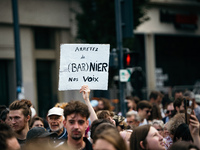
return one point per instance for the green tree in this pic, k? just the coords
(96, 23)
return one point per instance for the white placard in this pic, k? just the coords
(84, 64)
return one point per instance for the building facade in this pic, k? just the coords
(44, 25)
(171, 42)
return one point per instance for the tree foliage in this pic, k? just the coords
(96, 23)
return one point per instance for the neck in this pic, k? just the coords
(22, 135)
(76, 144)
(59, 132)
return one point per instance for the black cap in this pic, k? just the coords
(39, 132)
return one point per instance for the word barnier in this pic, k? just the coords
(86, 49)
(99, 67)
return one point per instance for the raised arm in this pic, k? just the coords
(86, 93)
(194, 130)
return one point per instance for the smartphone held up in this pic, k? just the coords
(189, 107)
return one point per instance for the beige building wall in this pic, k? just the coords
(57, 14)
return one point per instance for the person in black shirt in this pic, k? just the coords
(76, 122)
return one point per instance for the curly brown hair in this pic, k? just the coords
(23, 104)
(76, 107)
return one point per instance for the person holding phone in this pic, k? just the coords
(194, 129)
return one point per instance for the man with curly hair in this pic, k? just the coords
(20, 114)
(76, 122)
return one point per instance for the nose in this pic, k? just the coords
(76, 125)
(12, 121)
(160, 137)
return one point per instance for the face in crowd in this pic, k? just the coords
(100, 105)
(159, 100)
(131, 121)
(131, 104)
(76, 126)
(153, 140)
(38, 123)
(181, 109)
(55, 122)
(145, 113)
(158, 128)
(18, 120)
(170, 110)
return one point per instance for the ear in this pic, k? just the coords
(64, 123)
(28, 118)
(177, 109)
(141, 145)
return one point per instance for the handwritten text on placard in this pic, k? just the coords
(84, 64)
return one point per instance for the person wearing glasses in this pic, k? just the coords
(169, 112)
(144, 108)
(158, 125)
(132, 119)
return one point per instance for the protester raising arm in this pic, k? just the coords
(194, 130)
(86, 93)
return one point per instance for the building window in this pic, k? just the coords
(44, 38)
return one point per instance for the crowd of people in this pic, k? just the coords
(93, 125)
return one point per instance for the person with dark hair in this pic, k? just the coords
(105, 114)
(102, 127)
(20, 114)
(109, 139)
(8, 141)
(146, 137)
(169, 112)
(104, 104)
(155, 113)
(132, 102)
(179, 119)
(36, 122)
(76, 122)
(156, 97)
(177, 94)
(4, 117)
(183, 145)
(95, 124)
(144, 108)
(182, 133)
(178, 105)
